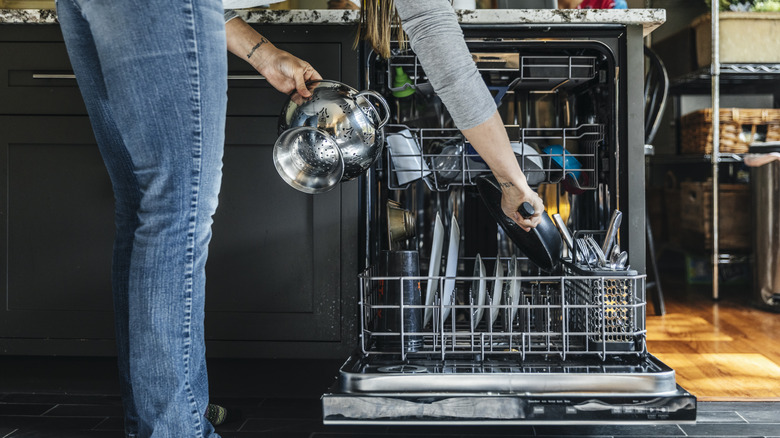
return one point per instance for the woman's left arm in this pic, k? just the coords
(283, 71)
(436, 37)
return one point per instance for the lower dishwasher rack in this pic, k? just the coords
(561, 349)
(581, 312)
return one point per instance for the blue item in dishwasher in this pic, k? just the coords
(564, 160)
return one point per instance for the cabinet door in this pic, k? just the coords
(56, 223)
(282, 270)
(275, 263)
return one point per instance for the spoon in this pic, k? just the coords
(614, 255)
(622, 259)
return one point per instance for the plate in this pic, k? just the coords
(434, 268)
(514, 289)
(478, 289)
(498, 287)
(452, 267)
(511, 294)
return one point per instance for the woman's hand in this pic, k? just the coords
(512, 197)
(287, 73)
(283, 71)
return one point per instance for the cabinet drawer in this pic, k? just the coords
(36, 78)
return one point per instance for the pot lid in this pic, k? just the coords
(542, 245)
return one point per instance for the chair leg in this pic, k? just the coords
(658, 296)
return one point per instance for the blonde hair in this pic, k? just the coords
(378, 19)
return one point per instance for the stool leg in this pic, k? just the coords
(658, 296)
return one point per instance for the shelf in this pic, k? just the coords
(730, 74)
(691, 158)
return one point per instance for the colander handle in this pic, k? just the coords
(371, 93)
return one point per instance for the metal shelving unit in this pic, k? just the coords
(716, 77)
(715, 156)
(693, 159)
(730, 74)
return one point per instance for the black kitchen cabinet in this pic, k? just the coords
(281, 276)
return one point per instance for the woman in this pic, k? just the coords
(153, 74)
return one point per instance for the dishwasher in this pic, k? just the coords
(457, 324)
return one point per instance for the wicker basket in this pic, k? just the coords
(733, 216)
(738, 128)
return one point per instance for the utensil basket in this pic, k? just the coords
(583, 312)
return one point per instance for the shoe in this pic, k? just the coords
(216, 414)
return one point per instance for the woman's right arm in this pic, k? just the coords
(282, 70)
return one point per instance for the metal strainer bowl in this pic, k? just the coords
(308, 159)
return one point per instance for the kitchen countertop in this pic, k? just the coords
(649, 19)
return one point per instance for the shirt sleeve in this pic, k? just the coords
(230, 14)
(437, 40)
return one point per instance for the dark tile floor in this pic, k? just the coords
(72, 397)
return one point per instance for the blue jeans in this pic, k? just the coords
(153, 74)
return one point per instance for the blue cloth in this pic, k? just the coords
(620, 4)
(153, 74)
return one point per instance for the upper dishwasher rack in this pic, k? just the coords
(543, 72)
(539, 93)
(442, 167)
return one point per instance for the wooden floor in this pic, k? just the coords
(725, 350)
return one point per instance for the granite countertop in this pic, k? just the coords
(649, 19)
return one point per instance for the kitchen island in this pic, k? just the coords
(280, 285)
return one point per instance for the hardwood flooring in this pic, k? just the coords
(725, 350)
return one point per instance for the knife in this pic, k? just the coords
(564, 231)
(614, 226)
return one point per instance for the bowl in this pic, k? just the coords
(447, 165)
(564, 160)
(531, 163)
(308, 159)
(527, 157)
(350, 117)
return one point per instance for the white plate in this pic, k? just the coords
(478, 288)
(498, 287)
(434, 269)
(452, 267)
(514, 289)
(511, 294)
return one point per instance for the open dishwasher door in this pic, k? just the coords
(476, 333)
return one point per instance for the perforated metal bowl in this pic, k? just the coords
(348, 116)
(308, 159)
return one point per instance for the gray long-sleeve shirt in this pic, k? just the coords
(437, 39)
